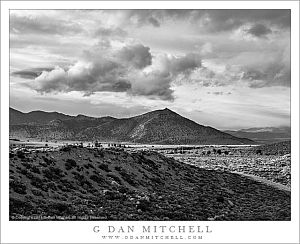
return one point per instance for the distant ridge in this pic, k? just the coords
(155, 127)
(264, 134)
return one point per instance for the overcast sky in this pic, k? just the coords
(229, 69)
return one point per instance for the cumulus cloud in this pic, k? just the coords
(127, 69)
(154, 84)
(138, 55)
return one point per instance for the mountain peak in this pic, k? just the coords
(166, 110)
(157, 127)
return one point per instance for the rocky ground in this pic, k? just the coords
(111, 184)
(273, 168)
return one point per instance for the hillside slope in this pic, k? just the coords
(117, 185)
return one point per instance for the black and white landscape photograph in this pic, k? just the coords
(150, 115)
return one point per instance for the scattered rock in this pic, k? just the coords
(230, 203)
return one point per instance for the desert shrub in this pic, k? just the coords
(18, 206)
(116, 178)
(157, 180)
(53, 173)
(37, 192)
(26, 173)
(149, 163)
(219, 151)
(59, 208)
(118, 168)
(91, 166)
(128, 178)
(77, 175)
(17, 186)
(144, 205)
(20, 154)
(124, 189)
(113, 195)
(11, 155)
(70, 164)
(39, 183)
(220, 199)
(259, 151)
(88, 166)
(208, 152)
(26, 165)
(52, 186)
(36, 181)
(97, 178)
(43, 164)
(68, 184)
(65, 149)
(81, 179)
(101, 153)
(49, 161)
(104, 167)
(226, 152)
(35, 169)
(79, 168)
(63, 188)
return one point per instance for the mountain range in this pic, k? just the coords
(156, 127)
(264, 134)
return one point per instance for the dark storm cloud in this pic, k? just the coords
(42, 25)
(217, 93)
(224, 20)
(259, 30)
(216, 20)
(154, 21)
(30, 73)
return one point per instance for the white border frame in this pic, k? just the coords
(82, 231)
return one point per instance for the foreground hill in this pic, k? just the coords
(156, 127)
(109, 184)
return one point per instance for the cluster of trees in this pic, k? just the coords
(209, 152)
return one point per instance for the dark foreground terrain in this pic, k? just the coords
(111, 184)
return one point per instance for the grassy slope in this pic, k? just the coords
(117, 185)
